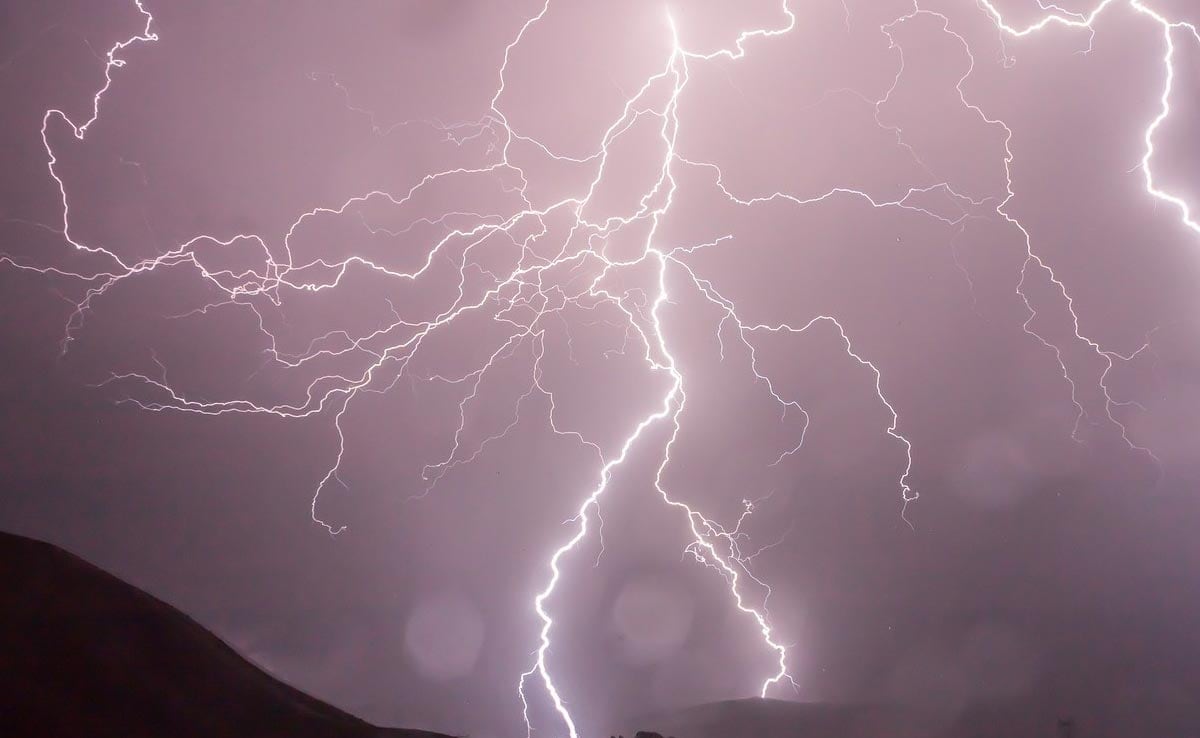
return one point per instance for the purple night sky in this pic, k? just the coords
(426, 274)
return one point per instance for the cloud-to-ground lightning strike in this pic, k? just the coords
(534, 291)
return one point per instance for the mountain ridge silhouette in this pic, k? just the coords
(83, 653)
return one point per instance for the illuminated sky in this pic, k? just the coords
(853, 342)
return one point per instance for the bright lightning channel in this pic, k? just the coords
(525, 303)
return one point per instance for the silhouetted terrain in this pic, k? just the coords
(83, 655)
(757, 718)
(1028, 717)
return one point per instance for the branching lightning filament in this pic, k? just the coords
(557, 271)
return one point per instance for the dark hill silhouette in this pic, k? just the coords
(765, 718)
(1031, 716)
(85, 655)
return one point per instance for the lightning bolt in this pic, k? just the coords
(576, 273)
(1056, 16)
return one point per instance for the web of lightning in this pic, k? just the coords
(524, 302)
